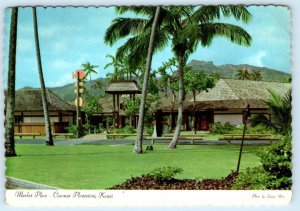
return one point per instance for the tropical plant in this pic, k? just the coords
(116, 65)
(197, 82)
(91, 106)
(185, 27)
(131, 107)
(279, 108)
(243, 74)
(255, 75)
(169, 81)
(10, 96)
(89, 70)
(276, 169)
(189, 26)
(49, 138)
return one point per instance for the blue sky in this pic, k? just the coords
(72, 36)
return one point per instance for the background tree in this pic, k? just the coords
(169, 83)
(89, 70)
(49, 138)
(185, 27)
(280, 110)
(197, 82)
(255, 75)
(243, 74)
(91, 106)
(10, 96)
(116, 65)
(189, 26)
(91, 103)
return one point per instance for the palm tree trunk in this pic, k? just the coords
(194, 113)
(138, 148)
(174, 141)
(10, 97)
(171, 113)
(49, 138)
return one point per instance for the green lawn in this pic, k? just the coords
(101, 166)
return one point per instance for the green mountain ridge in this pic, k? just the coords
(66, 92)
(229, 70)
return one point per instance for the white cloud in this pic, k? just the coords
(60, 64)
(60, 46)
(47, 32)
(63, 79)
(24, 44)
(257, 59)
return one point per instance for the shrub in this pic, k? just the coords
(260, 129)
(149, 130)
(72, 129)
(165, 173)
(101, 128)
(276, 169)
(219, 128)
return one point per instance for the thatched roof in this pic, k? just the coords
(232, 93)
(31, 100)
(123, 87)
(227, 94)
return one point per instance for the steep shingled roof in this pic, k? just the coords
(233, 93)
(31, 100)
(123, 87)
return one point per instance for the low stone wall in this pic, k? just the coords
(13, 183)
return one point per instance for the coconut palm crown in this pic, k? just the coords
(182, 27)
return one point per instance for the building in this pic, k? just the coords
(29, 116)
(226, 101)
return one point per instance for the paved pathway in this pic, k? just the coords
(130, 142)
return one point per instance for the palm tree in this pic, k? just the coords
(138, 143)
(10, 97)
(243, 74)
(280, 110)
(89, 69)
(193, 26)
(255, 75)
(135, 48)
(115, 64)
(185, 27)
(49, 138)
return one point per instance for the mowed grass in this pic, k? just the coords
(102, 166)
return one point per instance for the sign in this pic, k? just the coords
(80, 102)
(78, 73)
(78, 84)
(80, 90)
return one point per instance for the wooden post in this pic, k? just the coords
(114, 110)
(118, 110)
(78, 109)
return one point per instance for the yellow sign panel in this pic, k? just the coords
(78, 84)
(80, 102)
(80, 90)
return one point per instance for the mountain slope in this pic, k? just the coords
(66, 92)
(229, 70)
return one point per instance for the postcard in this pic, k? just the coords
(148, 106)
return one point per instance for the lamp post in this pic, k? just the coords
(78, 75)
(246, 114)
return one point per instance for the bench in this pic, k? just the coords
(187, 137)
(126, 135)
(66, 135)
(200, 135)
(248, 137)
(27, 134)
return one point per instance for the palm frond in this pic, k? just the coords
(207, 31)
(207, 14)
(122, 27)
(138, 10)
